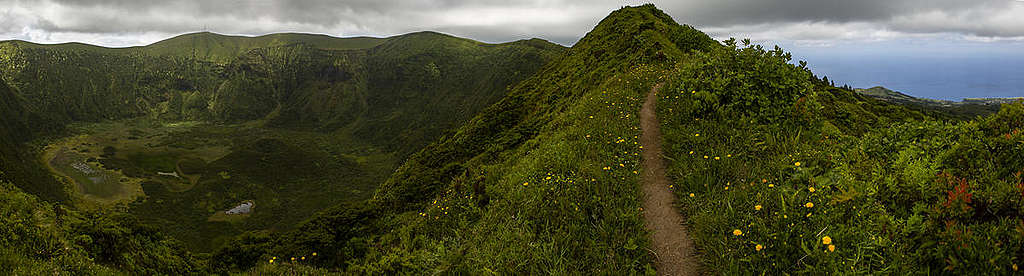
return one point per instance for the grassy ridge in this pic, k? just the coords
(543, 181)
(780, 173)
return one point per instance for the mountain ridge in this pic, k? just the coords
(968, 108)
(180, 45)
(319, 116)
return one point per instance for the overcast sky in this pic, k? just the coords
(804, 22)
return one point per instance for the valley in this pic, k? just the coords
(647, 147)
(177, 132)
(182, 176)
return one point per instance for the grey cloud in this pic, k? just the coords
(910, 16)
(562, 21)
(729, 12)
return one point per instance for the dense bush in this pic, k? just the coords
(37, 237)
(780, 174)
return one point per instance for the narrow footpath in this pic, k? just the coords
(670, 241)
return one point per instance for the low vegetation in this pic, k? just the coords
(780, 173)
(544, 181)
(529, 167)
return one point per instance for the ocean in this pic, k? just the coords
(948, 73)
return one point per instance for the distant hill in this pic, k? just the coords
(376, 101)
(223, 48)
(399, 91)
(966, 109)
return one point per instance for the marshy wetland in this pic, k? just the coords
(185, 176)
(111, 162)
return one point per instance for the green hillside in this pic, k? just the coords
(963, 110)
(17, 126)
(294, 122)
(544, 181)
(780, 173)
(224, 48)
(431, 154)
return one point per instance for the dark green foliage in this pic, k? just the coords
(37, 236)
(731, 81)
(762, 146)
(18, 125)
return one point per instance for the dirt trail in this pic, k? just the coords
(670, 240)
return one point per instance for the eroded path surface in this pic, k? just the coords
(670, 240)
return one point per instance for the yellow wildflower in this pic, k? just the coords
(758, 247)
(293, 259)
(696, 135)
(737, 232)
(757, 207)
(314, 254)
(811, 189)
(271, 261)
(717, 158)
(526, 183)
(1014, 267)
(691, 152)
(705, 157)
(809, 205)
(728, 155)
(826, 240)
(771, 185)
(831, 247)
(547, 178)
(303, 258)
(797, 164)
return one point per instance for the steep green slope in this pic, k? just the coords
(307, 121)
(780, 173)
(291, 80)
(543, 181)
(18, 125)
(224, 48)
(40, 237)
